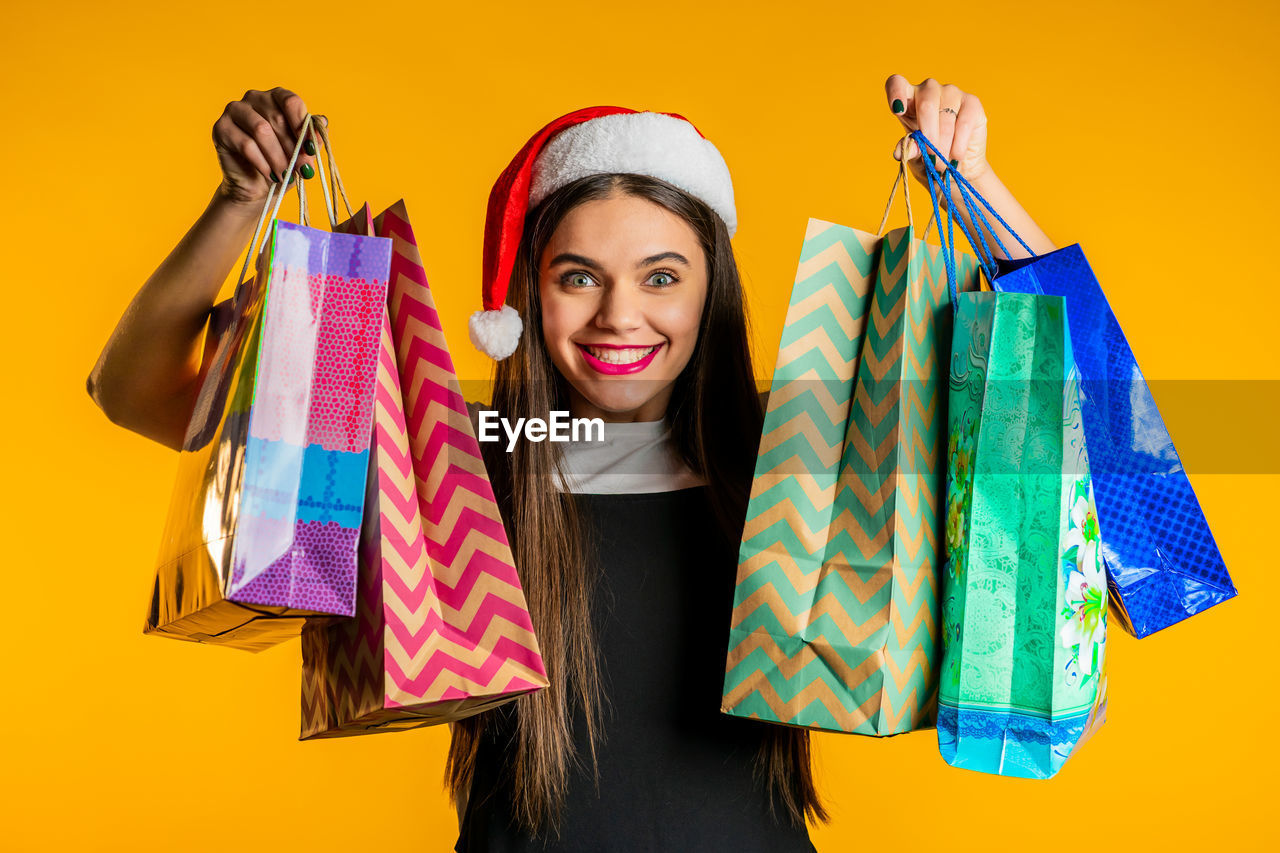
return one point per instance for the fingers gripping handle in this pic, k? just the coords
(274, 199)
(970, 198)
(275, 194)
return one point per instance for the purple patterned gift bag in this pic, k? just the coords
(265, 517)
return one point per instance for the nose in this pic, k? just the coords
(619, 310)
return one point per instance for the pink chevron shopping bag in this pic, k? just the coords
(442, 630)
(265, 516)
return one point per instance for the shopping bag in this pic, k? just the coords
(1162, 561)
(835, 610)
(265, 515)
(1024, 610)
(442, 629)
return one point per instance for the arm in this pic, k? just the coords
(993, 190)
(145, 377)
(955, 122)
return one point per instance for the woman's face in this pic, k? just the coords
(622, 282)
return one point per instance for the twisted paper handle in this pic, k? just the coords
(334, 187)
(905, 180)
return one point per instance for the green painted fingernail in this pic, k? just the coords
(955, 163)
(898, 107)
(933, 160)
(274, 179)
(310, 147)
(307, 171)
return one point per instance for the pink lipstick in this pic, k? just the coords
(640, 359)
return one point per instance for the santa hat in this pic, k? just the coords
(589, 141)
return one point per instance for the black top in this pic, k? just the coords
(675, 773)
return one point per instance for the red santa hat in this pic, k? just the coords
(589, 141)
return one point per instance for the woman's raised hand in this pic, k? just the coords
(255, 137)
(949, 117)
(145, 377)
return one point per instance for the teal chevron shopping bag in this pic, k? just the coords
(835, 620)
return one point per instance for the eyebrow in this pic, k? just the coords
(570, 258)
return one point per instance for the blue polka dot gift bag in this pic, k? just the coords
(1161, 560)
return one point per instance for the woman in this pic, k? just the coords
(611, 291)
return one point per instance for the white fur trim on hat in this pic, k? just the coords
(496, 333)
(642, 143)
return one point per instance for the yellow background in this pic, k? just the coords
(1146, 132)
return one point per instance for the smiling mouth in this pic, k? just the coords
(619, 355)
(618, 361)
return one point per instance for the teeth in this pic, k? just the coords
(620, 356)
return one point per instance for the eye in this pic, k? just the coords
(576, 278)
(664, 278)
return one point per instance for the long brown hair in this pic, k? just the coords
(715, 418)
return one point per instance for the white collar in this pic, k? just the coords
(634, 458)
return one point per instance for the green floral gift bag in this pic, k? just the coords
(1024, 605)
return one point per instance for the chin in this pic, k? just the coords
(619, 397)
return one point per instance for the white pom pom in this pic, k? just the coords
(496, 333)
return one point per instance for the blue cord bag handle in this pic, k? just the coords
(970, 198)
